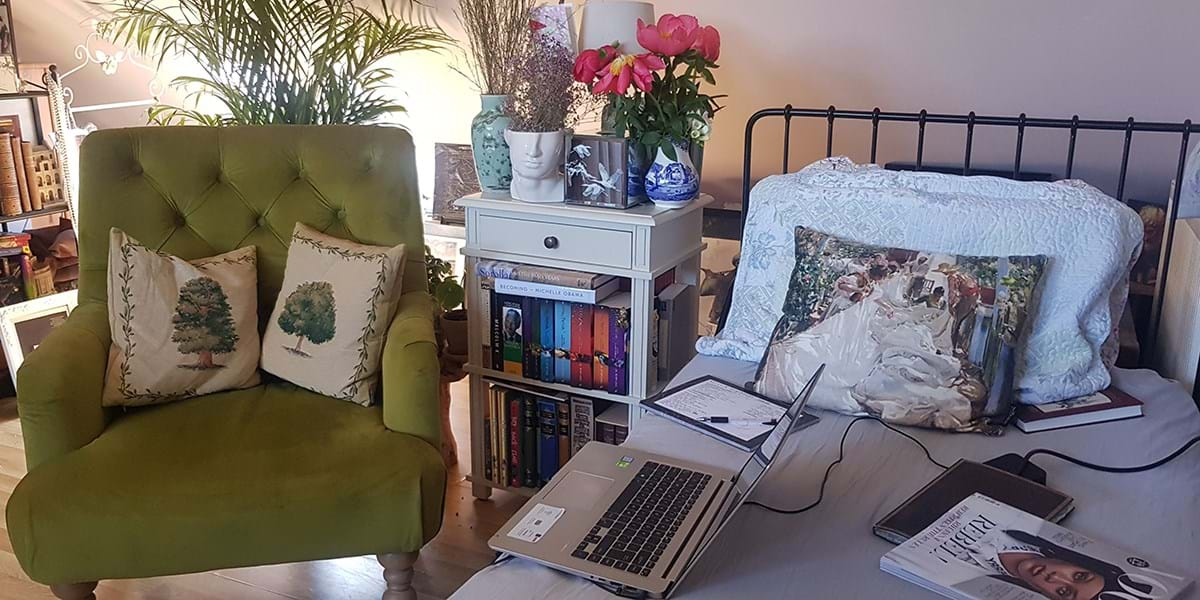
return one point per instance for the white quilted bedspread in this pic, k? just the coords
(1091, 240)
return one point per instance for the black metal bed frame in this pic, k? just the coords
(1021, 123)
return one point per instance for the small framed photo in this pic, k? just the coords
(10, 78)
(454, 176)
(23, 326)
(596, 171)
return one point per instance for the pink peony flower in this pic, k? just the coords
(708, 43)
(589, 63)
(626, 69)
(672, 36)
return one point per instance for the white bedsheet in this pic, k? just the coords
(829, 552)
(1091, 240)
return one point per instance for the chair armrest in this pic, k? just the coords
(59, 386)
(411, 371)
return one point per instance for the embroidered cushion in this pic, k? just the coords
(179, 328)
(327, 329)
(915, 338)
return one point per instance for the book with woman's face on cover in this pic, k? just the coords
(986, 550)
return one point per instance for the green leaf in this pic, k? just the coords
(668, 149)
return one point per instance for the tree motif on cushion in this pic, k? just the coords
(203, 322)
(309, 313)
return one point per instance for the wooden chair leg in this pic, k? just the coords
(74, 591)
(398, 573)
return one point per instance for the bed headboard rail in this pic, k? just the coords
(1019, 124)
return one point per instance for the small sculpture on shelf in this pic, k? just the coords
(46, 183)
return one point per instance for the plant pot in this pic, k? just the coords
(454, 329)
(672, 183)
(490, 150)
(538, 161)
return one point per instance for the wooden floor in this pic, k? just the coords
(450, 559)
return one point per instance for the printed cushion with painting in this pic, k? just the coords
(179, 328)
(327, 329)
(912, 337)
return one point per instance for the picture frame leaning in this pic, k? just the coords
(10, 77)
(24, 326)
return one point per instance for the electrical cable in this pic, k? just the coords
(1106, 469)
(840, 458)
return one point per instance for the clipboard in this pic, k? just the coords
(742, 435)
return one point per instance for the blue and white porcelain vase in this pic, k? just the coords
(492, 161)
(672, 183)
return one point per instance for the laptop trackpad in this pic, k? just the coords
(578, 490)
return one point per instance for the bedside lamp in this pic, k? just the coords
(606, 21)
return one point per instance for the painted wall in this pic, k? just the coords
(1098, 58)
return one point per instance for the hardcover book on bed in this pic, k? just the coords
(985, 550)
(1108, 405)
(958, 483)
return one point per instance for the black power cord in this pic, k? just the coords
(840, 458)
(1025, 463)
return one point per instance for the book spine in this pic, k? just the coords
(600, 357)
(515, 474)
(581, 345)
(546, 352)
(618, 348)
(529, 441)
(605, 431)
(485, 308)
(663, 355)
(511, 324)
(502, 447)
(620, 434)
(545, 291)
(10, 194)
(582, 423)
(563, 415)
(488, 452)
(536, 274)
(497, 331)
(547, 440)
(530, 367)
(562, 342)
(35, 193)
(19, 167)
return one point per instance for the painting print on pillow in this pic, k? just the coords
(327, 330)
(180, 328)
(914, 338)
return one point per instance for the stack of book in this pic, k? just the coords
(558, 326)
(29, 174)
(529, 435)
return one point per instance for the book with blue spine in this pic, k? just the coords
(562, 342)
(530, 334)
(547, 343)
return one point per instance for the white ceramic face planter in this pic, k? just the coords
(537, 161)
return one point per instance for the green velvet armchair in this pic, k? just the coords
(260, 476)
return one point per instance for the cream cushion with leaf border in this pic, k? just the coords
(179, 328)
(327, 329)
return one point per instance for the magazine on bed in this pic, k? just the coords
(985, 550)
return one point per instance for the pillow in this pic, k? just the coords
(326, 332)
(1092, 239)
(914, 338)
(179, 328)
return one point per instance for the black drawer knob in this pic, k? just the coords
(550, 242)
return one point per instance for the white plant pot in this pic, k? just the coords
(538, 160)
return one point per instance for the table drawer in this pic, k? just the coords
(560, 241)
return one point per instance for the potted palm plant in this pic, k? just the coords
(312, 62)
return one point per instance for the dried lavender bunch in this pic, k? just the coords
(497, 31)
(545, 96)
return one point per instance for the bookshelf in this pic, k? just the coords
(637, 244)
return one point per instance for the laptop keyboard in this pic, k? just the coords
(640, 523)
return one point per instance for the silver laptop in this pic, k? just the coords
(635, 522)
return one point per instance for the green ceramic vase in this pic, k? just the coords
(492, 162)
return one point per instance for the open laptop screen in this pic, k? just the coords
(756, 465)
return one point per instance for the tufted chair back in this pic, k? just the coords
(199, 191)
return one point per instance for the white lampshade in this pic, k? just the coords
(608, 21)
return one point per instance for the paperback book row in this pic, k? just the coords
(529, 435)
(568, 327)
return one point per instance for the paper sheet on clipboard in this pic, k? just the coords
(714, 398)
